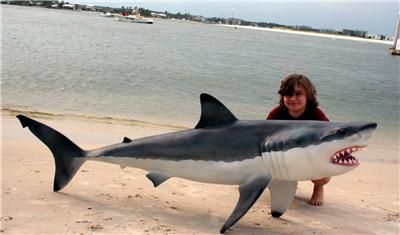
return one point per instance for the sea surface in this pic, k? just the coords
(81, 64)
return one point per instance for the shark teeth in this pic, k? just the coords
(344, 157)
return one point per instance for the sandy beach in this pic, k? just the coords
(333, 37)
(104, 199)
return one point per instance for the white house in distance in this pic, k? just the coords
(233, 21)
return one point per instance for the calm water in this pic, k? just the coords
(80, 63)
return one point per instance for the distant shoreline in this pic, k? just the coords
(309, 34)
(279, 30)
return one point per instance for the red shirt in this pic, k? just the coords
(279, 113)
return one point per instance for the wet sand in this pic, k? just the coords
(104, 199)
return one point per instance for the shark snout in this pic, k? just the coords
(369, 126)
(366, 130)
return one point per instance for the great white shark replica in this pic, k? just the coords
(224, 150)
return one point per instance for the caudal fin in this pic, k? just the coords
(67, 155)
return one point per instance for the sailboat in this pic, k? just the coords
(395, 49)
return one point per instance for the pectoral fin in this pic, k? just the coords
(126, 140)
(249, 193)
(157, 178)
(282, 194)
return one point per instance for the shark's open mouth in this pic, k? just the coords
(345, 158)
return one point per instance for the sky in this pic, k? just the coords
(376, 17)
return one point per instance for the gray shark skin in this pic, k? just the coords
(224, 150)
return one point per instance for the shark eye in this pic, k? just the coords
(341, 132)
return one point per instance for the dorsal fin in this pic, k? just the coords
(213, 112)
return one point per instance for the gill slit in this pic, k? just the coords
(278, 155)
(271, 157)
(285, 166)
(276, 163)
(283, 160)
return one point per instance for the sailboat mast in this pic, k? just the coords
(396, 42)
(395, 49)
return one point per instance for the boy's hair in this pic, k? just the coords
(288, 84)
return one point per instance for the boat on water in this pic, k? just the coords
(135, 17)
(107, 14)
(395, 49)
(140, 19)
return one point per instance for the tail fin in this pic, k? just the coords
(67, 155)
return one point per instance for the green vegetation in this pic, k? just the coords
(47, 4)
(145, 12)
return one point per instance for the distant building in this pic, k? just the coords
(89, 7)
(306, 28)
(330, 31)
(354, 33)
(388, 38)
(233, 21)
(199, 19)
(380, 37)
(376, 36)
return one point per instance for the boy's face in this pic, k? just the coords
(297, 101)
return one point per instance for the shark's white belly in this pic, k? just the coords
(295, 164)
(234, 173)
